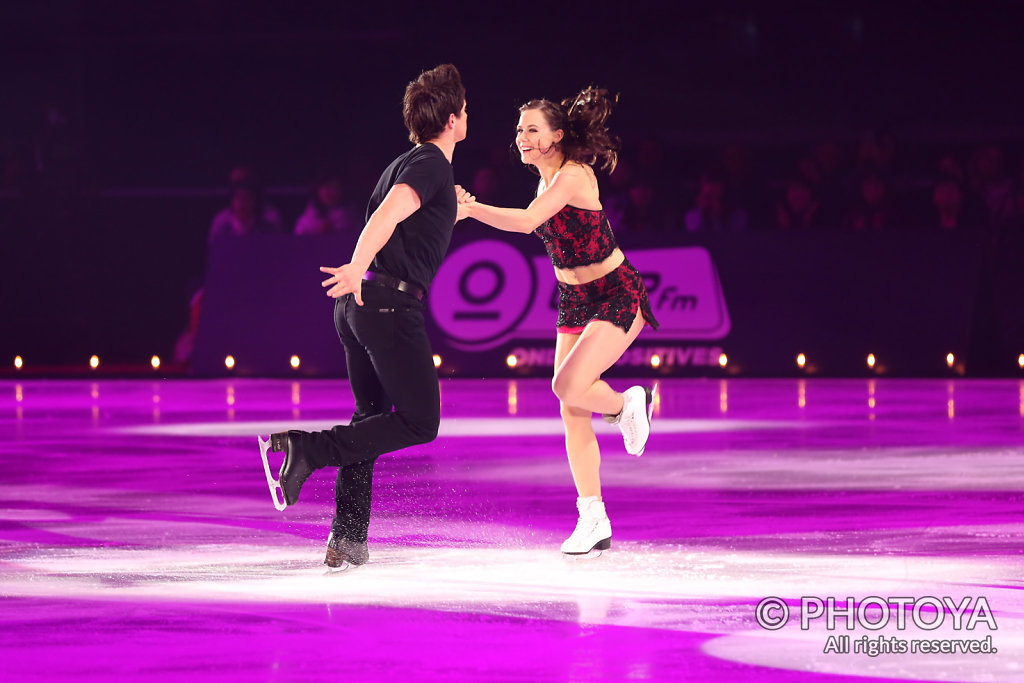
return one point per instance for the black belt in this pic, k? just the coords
(394, 283)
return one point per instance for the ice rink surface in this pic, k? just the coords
(138, 540)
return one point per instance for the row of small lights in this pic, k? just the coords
(94, 362)
(723, 360)
(155, 362)
(801, 360)
(512, 361)
(294, 361)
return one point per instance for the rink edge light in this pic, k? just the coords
(512, 361)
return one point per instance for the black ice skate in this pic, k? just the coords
(343, 553)
(295, 469)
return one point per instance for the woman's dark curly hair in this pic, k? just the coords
(583, 119)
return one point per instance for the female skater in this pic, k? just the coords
(602, 303)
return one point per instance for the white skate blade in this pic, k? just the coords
(275, 485)
(343, 567)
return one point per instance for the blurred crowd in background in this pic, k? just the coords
(867, 182)
(135, 135)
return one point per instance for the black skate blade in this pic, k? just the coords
(582, 557)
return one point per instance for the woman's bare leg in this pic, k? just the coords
(579, 362)
(580, 441)
(577, 380)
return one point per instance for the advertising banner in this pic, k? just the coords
(490, 295)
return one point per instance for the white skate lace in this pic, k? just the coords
(630, 432)
(585, 526)
(629, 427)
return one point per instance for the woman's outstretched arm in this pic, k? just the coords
(567, 184)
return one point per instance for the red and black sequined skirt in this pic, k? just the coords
(615, 298)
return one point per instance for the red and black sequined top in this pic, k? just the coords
(577, 237)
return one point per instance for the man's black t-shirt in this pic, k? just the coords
(418, 244)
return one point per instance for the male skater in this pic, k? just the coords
(379, 318)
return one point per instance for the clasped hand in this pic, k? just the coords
(466, 202)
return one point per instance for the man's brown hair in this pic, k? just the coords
(430, 100)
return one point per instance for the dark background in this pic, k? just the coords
(159, 99)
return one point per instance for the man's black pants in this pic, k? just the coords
(398, 402)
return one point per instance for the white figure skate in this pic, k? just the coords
(593, 533)
(635, 419)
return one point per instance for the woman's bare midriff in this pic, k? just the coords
(584, 274)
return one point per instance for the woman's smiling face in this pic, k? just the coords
(534, 137)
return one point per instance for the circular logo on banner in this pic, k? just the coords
(482, 291)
